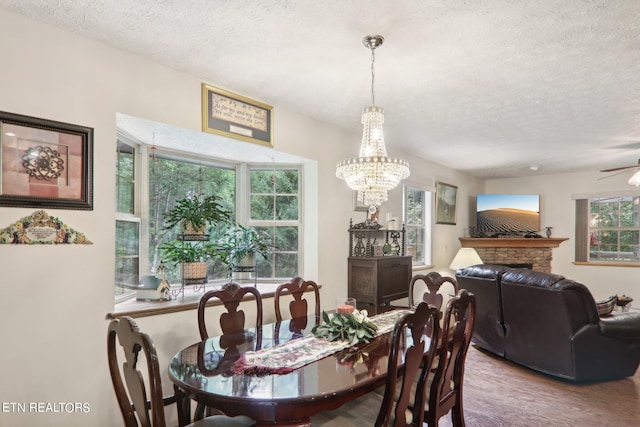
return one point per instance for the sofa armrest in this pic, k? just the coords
(621, 325)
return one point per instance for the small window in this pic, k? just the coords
(275, 208)
(127, 268)
(614, 229)
(417, 221)
(608, 230)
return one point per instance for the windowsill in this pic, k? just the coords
(134, 308)
(421, 267)
(608, 264)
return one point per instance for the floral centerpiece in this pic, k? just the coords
(354, 328)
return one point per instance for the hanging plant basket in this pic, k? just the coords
(194, 270)
(187, 228)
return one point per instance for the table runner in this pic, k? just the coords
(286, 357)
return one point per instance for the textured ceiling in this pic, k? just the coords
(490, 87)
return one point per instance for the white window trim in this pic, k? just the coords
(428, 216)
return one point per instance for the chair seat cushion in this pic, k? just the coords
(224, 421)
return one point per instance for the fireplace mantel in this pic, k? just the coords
(507, 251)
(508, 242)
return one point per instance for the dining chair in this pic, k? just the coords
(445, 389)
(403, 399)
(233, 320)
(417, 357)
(139, 407)
(293, 292)
(298, 306)
(433, 281)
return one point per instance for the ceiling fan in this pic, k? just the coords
(635, 178)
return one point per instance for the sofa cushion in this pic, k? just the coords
(621, 325)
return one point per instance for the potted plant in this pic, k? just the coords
(191, 256)
(239, 246)
(194, 213)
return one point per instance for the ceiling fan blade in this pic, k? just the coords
(612, 175)
(622, 168)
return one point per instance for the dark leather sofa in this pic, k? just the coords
(550, 324)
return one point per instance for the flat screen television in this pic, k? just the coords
(508, 213)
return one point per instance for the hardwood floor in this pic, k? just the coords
(500, 393)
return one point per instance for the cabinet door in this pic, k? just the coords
(362, 280)
(394, 275)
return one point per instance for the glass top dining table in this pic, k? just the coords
(204, 371)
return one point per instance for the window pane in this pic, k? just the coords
(287, 207)
(415, 205)
(286, 265)
(262, 207)
(127, 256)
(261, 181)
(125, 178)
(415, 243)
(287, 238)
(287, 181)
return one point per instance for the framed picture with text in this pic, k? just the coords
(446, 195)
(229, 114)
(45, 164)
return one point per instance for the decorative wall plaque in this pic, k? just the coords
(40, 228)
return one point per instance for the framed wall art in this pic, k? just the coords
(446, 195)
(45, 164)
(358, 205)
(229, 114)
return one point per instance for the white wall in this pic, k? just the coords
(557, 209)
(55, 298)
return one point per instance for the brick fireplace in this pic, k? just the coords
(536, 252)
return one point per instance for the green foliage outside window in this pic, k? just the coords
(172, 180)
(274, 209)
(414, 223)
(614, 231)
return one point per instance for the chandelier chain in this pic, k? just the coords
(373, 76)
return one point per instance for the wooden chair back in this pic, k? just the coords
(424, 328)
(433, 281)
(298, 306)
(445, 392)
(139, 406)
(233, 320)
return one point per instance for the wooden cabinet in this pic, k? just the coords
(375, 281)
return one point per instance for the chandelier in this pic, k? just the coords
(372, 173)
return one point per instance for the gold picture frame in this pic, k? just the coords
(446, 195)
(236, 116)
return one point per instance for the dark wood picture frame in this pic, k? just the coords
(236, 116)
(45, 164)
(446, 198)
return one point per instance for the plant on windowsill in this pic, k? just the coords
(354, 328)
(195, 213)
(190, 256)
(239, 246)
